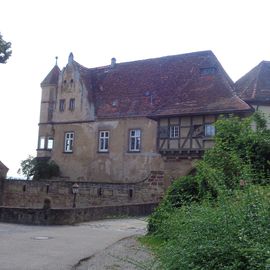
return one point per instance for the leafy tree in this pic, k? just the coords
(219, 217)
(44, 169)
(241, 150)
(27, 166)
(39, 168)
(5, 50)
(241, 155)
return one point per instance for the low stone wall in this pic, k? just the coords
(73, 215)
(32, 194)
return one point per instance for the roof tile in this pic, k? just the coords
(52, 77)
(255, 85)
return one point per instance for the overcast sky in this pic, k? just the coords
(237, 31)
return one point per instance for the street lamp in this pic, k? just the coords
(75, 191)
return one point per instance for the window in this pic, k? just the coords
(69, 139)
(50, 143)
(134, 140)
(99, 192)
(174, 132)
(62, 105)
(72, 104)
(209, 130)
(208, 71)
(163, 132)
(103, 141)
(41, 143)
(130, 193)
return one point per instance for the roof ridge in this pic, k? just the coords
(257, 78)
(205, 52)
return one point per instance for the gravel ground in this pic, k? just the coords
(126, 254)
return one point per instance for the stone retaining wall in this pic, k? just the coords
(73, 215)
(32, 194)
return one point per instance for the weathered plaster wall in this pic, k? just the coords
(118, 164)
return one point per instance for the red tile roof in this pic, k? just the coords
(193, 83)
(254, 87)
(52, 77)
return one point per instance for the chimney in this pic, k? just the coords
(113, 62)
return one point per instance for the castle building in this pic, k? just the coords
(117, 123)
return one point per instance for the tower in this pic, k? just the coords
(49, 88)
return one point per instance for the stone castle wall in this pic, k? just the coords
(72, 215)
(31, 194)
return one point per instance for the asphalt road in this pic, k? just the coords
(25, 247)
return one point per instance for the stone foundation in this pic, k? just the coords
(72, 216)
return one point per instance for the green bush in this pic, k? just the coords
(233, 234)
(162, 213)
(220, 218)
(181, 192)
(250, 144)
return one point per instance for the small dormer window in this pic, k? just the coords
(206, 71)
(115, 103)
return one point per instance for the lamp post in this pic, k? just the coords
(75, 191)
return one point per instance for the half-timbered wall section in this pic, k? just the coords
(185, 136)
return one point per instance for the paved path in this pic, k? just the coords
(25, 247)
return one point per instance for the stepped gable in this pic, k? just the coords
(254, 87)
(193, 83)
(52, 77)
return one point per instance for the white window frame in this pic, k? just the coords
(72, 104)
(62, 105)
(174, 131)
(103, 141)
(50, 143)
(134, 140)
(42, 142)
(209, 130)
(69, 142)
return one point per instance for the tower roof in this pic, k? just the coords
(254, 87)
(52, 77)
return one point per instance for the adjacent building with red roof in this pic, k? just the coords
(119, 122)
(254, 87)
